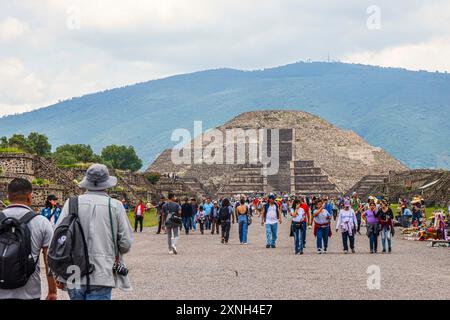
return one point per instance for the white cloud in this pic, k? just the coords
(431, 56)
(20, 88)
(12, 28)
(123, 42)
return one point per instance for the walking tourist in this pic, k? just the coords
(207, 206)
(373, 226)
(215, 223)
(104, 219)
(194, 206)
(139, 213)
(386, 217)
(298, 220)
(159, 209)
(225, 217)
(305, 222)
(201, 218)
(271, 216)
(172, 221)
(186, 215)
(347, 224)
(284, 208)
(16, 283)
(242, 220)
(322, 228)
(358, 214)
(51, 211)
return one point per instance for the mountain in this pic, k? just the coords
(404, 112)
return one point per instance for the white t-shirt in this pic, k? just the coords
(322, 218)
(271, 215)
(300, 215)
(139, 213)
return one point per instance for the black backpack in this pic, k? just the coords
(16, 261)
(69, 247)
(223, 214)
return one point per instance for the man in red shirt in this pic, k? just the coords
(139, 215)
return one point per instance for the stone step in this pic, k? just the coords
(312, 170)
(311, 178)
(304, 164)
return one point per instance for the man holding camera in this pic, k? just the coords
(108, 234)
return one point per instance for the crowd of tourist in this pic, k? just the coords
(303, 213)
(104, 233)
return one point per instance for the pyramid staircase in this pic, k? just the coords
(366, 184)
(307, 179)
(245, 180)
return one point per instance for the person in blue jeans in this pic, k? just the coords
(242, 219)
(96, 293)
(321, 226)
(186, 215)
(208, 206)
(194, 214)
(298, 217)
(271, 216)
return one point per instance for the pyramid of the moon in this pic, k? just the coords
(314, 157)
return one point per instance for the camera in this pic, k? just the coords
(120, 269)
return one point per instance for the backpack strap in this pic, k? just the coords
(73, 206)
(30, 215)
(2, 216)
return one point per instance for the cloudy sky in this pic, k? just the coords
(57, 49)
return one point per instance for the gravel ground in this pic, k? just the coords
(207, 269)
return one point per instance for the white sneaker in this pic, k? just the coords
(319, 251)
(174, 249)
(170, 251)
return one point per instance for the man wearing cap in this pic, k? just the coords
(96, 210)
(271, 216)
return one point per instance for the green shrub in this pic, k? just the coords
(152, 177)
(11, 150)
(40, 182)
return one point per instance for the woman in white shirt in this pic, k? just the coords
(298, 216)
(347, 224)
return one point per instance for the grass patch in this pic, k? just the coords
(150, 219)
(11, 150)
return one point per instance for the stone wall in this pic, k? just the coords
(17, 165)
(407, 184)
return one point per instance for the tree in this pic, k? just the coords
(81, 152)
(121, 157)
(64, 158)
(3, 142)
(38, 144)
(19, 141)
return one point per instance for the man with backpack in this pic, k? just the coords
(226, 216)
(23, 234)
(172, 221)
(103, 226)
(271, 216)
